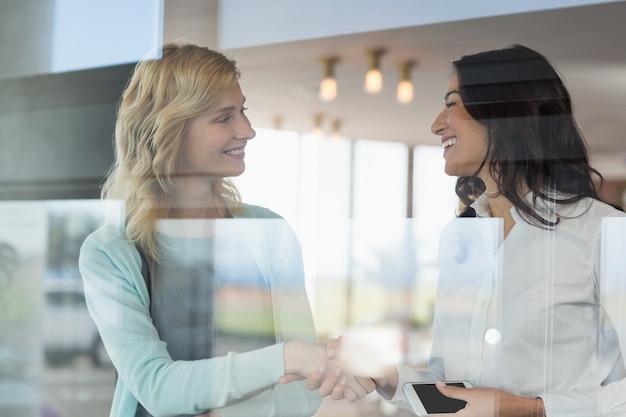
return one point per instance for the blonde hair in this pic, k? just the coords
(160, 99)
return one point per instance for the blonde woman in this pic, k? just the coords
(199, 298)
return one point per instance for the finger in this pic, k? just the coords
(331, 349)
(356, 387)
(333, 383)
(316, 378)
(368, 384)
(285, 379)
(350, 395)
(338, 391)
(451, 391)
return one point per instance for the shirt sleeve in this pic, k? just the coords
(118, 302)
(407, 374)
(607, 400)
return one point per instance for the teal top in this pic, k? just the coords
(235, 384)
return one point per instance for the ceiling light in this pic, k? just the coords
(318, 130)
(328, 86)
(374, 78)
(405, 86)
(336, 128)
(278, 123)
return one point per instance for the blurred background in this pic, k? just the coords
(358, 175)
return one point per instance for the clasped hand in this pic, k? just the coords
(337, 376)
(324, 371)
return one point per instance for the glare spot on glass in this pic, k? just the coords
(492, 336)
(102, 33)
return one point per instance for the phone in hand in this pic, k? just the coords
(426, 399)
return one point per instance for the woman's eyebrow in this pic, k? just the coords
(449, 93)
(224, 109)
(228, 108)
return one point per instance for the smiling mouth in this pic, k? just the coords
(238, 151)
(448, 143)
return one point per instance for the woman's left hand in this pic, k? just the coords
(491, 402)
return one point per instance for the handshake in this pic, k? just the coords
(338, 369)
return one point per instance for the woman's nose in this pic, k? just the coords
(251, 133)
(439, 124)
(245, 130)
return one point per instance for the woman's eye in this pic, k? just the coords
(449, 103)
(223, 119)
(243, 110)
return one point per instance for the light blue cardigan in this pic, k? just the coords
(237, 385)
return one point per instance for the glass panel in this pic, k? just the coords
(380, 181)
(373, 269)
(133, 31)
(272, 173)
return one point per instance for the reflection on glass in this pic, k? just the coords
(613, 275)
(104, 33)
(23, 229)
(210, 294)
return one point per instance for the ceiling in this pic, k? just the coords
(586, 44)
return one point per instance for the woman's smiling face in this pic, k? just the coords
(464, 140)
(214, 143)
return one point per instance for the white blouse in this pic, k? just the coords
(538, 314)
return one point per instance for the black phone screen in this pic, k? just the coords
(435, 402)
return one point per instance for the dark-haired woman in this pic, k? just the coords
(520, 312)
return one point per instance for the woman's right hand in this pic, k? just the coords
(385, 378)
(301, 358)
(324, 372)
(333, 383)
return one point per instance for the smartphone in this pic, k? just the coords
(426, 399)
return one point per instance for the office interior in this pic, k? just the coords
(359, 176)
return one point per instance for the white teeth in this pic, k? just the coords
(449, 143)
(234, 151)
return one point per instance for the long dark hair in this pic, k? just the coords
(534, 142)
